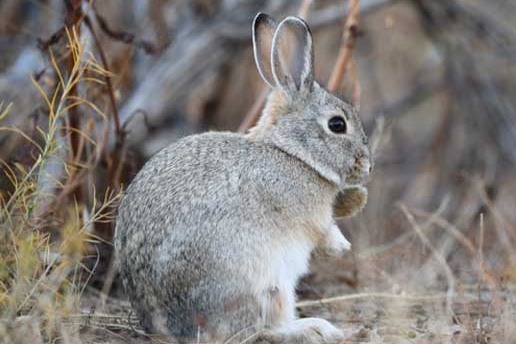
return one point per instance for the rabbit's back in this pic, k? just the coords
(207, 178)
(196, 222)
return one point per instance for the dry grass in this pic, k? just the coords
(45, 240)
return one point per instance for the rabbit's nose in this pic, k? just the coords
(363, 164)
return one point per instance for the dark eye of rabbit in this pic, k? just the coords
(337, 125)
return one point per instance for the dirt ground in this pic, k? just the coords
(478, 315)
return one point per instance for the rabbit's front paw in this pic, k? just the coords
(350, 201)
(335, 243)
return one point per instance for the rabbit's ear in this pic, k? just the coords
(292, 56)
(263, 31)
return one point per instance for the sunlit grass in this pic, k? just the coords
(44, 239)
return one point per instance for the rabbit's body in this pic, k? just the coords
(189, 200)
(216, 229)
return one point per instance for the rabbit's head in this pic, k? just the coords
(300, 116)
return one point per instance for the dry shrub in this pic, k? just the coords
(46, 236)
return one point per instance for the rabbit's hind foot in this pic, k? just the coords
(302, 331)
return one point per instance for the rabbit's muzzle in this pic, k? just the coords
(361, 169)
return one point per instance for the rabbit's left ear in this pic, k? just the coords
(292, 56)
(263, 32)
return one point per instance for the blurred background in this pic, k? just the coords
(436, 78)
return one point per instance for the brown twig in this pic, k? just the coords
(73, 18)
(44, 44)
(374, 295)
(304, 8)
(125, 37)
(345, 53)
(116, 159)
(254, 112)
(355, 83)
(450, 228)
(107, 76)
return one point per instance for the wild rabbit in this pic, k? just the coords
(216, 229)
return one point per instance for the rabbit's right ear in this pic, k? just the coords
(293, 56)
(263, 32)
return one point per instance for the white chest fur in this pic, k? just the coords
(284, 264)
(290, 263)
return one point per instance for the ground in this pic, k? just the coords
(478, 314)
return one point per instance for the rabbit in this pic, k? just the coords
(216, 229)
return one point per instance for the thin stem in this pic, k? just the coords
(346, 50)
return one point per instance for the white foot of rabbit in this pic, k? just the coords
(301, 331)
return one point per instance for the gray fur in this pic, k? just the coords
(216, 229)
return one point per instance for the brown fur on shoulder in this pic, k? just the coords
(276, 105)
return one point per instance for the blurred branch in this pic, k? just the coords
(331, 14)
(107, 76)
(472, 73)
(348, 38)
(417, 94)
(125, 37)
(304, 8)
(116, 158)
(374, 295)
(437, 15)
(74, 16)
(254, 112)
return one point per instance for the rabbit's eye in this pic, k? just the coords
(337, 125)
